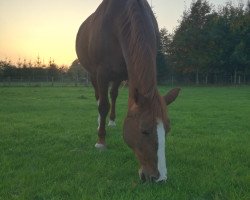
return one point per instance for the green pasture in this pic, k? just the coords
(47, 137)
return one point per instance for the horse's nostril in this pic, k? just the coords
(153, 179)
(142, 175)
(145, 177)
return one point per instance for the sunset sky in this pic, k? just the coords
(29, 28)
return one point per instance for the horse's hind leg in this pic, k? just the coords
(103, 109)
(94, 83)
(113, 96)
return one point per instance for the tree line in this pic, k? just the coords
(38, 72)
(209, 46)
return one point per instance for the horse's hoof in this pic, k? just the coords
(100, 146)
(112, 123)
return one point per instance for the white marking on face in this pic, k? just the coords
(161, 151)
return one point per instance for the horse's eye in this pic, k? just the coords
(145, 132)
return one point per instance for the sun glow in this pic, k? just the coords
(41, 28)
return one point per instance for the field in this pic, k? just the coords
(47, 137)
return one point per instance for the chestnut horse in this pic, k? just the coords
(119, 42)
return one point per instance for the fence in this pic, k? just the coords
(44, 83)
(187, 79)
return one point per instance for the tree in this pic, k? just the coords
(77, 72)
(246, 40)
(232, 43)
(190, 40)
(212, 43)
(162, 55)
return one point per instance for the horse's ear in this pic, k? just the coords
(171, 95)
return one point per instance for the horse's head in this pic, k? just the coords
(144, 132)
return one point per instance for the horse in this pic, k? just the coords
(119, 42)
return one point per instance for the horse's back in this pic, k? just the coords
(82, 43)
(97, 45)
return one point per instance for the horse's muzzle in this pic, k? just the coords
(146, 177)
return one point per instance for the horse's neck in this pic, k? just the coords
(138, 42)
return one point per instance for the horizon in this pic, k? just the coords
(48, 30)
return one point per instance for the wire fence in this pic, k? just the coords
(172, 81)
(44, 83)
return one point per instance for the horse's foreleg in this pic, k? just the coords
(103, 109)
(95, 85)
(113, 96)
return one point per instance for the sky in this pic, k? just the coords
(48, 28)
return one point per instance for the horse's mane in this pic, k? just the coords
(140, 35)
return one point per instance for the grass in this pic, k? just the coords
(47, 137)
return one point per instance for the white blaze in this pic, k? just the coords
(161, 151)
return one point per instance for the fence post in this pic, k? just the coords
(197, 77)
(235, 76)
(52, 79)
(9, 81)
(172, 80)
